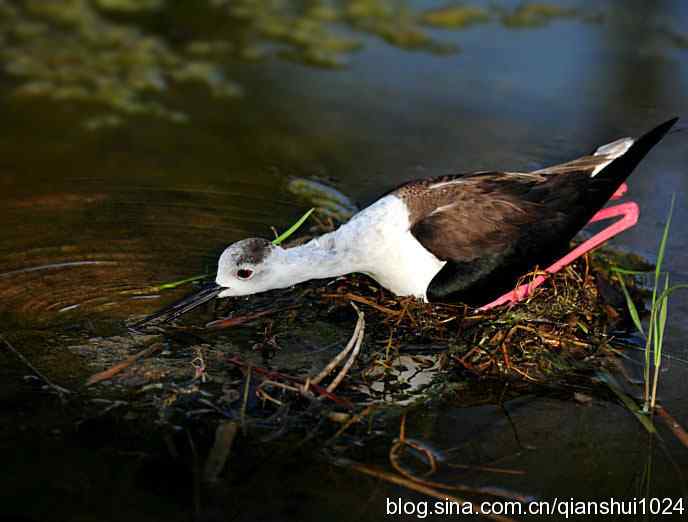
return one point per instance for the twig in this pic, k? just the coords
(357, 348)
(490, 469)
(395, 460)
(114, 370)
(352, 420)
(678, 430)
(265, 396)
(277, 375)
(353, 346)
(339, 357)
(244, 402)
(224, 438)
(59, 389)
(402, 481)
(196, 479)
(229, 322)
(363, 300)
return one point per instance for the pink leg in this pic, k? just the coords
(620, 192)
(629, 212)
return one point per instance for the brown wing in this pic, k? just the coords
(496, 226)
(466, 216)
(469, 218)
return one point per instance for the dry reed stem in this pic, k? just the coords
(126, 363)
(679, 431)
(402, 481)
(339, 357)
(357, 348)
(365, 301)
(59, 389)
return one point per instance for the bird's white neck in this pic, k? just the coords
(322, 257)
(376, 241)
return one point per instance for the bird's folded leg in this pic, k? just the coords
(619, 193)
(352, 348)
(629, 213)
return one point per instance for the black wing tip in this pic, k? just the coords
(661, 129)
(611, 176)
(644, 143)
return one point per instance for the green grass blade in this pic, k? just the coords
(285, 235)
(653, 334)
(630, 404)
(175, 284)
(662, 248)
(655, 328)
(666, 293)
(627, 271)
(661, 322)
(631, 306)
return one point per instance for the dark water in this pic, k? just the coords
(89, 215)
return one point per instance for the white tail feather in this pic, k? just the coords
(612, 151)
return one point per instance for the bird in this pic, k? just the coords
(462, 237)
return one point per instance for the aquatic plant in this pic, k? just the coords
(456, 16)
(654, 337)
(107, 56)
(329, 201)
(104, 54)
(287, 233)
(71, 51)
(535, 14)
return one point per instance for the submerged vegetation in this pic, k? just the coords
(72, 52)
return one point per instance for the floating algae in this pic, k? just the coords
(69, 51)
(72, 51)
(457, 16)
(319, 33)
(328, 201)
(396, 25)
(130, 6)
(536, 14)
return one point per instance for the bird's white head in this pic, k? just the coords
(250, 266)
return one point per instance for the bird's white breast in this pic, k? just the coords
(380, 243)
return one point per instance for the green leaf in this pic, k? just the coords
(631, 306)
(627, 271)
(662, 249)
(285, 235)
(661, 323)
(630, 404)
(666, 293)
(175, 284)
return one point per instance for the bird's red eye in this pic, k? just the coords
(244, 273)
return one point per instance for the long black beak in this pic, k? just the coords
(184, 305)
